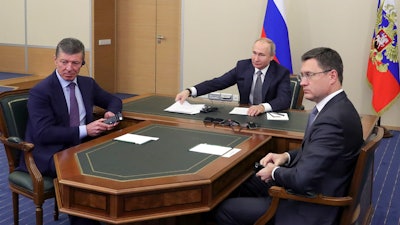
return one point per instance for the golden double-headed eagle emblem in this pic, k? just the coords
(384, 43)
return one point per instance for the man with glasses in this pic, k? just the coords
(262, 82)
(325, 162)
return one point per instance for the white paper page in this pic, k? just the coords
(231, 152)
(210, 149)
(239, 111)
(185, 108)
(277, 116)
(135, 138)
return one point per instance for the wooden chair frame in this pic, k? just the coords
(31, 185)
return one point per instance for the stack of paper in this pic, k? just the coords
(239, 111)
(185, 108)
(135, 138)
(210, 149)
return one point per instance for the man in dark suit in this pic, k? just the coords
(275, 94)
(325, 162)
(49, 108)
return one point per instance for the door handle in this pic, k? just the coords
(160, 38)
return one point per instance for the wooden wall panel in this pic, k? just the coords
(12, 59)
(136, 47)
(104, 55)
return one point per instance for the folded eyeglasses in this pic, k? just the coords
(229, 123)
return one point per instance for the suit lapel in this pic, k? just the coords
(268, 78)
(331, 102)
(248, 81)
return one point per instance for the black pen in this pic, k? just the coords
(275, 114)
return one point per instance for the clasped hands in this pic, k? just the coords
(270, 162)
(97, 127)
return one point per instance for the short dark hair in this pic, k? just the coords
(327, 58)
(71, 46)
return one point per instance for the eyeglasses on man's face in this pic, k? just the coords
(308, 75)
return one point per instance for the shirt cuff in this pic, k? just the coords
(267, 107)
(288, 161)
(82, 131)
(273, 172)
(194, 91)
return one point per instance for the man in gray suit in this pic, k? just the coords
(325, 162)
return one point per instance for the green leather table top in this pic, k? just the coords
(155, 105)
(167, 156)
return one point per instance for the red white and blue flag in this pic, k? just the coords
(383, 64)
(275, 28)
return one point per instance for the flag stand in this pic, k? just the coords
(386, 132)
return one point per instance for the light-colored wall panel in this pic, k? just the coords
(12, 25)
(49, 21)
(41, 61)
(216, 34)
(12, 59)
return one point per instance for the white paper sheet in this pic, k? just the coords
(239, 111)
(135, 138)
(231, 152)
(185, 108)
(277, 116)
(210, 149)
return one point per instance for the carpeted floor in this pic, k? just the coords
(386, 195)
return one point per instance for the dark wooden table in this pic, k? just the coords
(100, 179)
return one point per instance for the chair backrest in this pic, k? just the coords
(297, 93)
(361, 185)
(13, 118)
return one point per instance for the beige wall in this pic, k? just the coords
(217, 33)
(34, 27)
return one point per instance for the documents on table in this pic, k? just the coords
(214, 150)
(239, 111)
(185, 108)
(135, 138)
(277, 116)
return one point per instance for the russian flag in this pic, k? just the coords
(275, 28)
(383, 64)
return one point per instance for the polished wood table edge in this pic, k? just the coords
(213, 188)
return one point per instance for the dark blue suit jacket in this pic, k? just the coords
(48, 124)
(276, 87)
(324, 164)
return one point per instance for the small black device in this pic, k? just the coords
(258, 167)
(213, 120)
(118, 117)
(208, 108)
(251, 125)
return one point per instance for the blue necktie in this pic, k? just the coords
(311, 117)
(257, 93)
(73, 104)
